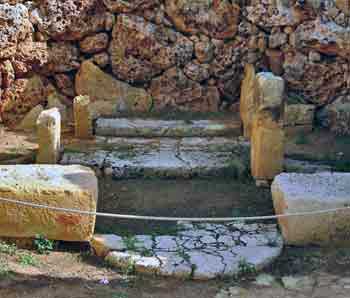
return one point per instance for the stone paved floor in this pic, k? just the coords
(198, 251)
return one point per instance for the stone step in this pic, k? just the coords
(197, 251)
(125, 127)
(125, 158)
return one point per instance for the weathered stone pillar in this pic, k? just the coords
(82, 118)
(267, 139)
(248, 99)
(49, 136)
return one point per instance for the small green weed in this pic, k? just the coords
(245, 269)
(130, 242)
(130, 267)
(27, 260)
(43, 245)
(9, 249)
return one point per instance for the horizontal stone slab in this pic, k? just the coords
(53, 185)
(198, 251)
(293, 193)
(164, 157)
(124, 127)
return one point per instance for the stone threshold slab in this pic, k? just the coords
(126, 158)
(124, 127)
(198, 251)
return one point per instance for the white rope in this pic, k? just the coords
(185, 219)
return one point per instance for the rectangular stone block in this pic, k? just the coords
(72, 187)
(294, 193)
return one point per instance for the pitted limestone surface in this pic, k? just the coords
(163, 157)
(199, 251)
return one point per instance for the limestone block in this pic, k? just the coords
(114, 95)
(59, 186)
(270, 90)
(267, 147)
(248, 99)
(82, 118)
(294, 192)
(49, 136)
(28, 123)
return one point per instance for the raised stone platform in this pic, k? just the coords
(198, 251)
(293, 193)
(123, 127)
(162, 157)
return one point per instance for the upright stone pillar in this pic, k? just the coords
(82, 118)
(49, 136)
(248, 99)
(267, 140)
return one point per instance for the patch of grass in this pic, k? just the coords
(245, 269)
(27, 260)
(43, 245)
(9, 249)
(130, 243)
(4, 269)
(129, 268)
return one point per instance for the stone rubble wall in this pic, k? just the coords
(183, 54)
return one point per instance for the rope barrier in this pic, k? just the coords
(184, 219)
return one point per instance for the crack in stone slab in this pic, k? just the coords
(184, 256)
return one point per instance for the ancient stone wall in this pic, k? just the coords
(156, 54)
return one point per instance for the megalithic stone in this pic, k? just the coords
(49, 136)
(267, 139)
(267, 146)
(83, 118)
(248, 99)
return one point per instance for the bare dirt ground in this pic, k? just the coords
(321, 274)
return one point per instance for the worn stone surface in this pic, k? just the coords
(15, 26)
(49, 136)
(114, 95)
(336, 116)
(248, 100)
(94, 44)
(175, 90)
(299, 114)
(141, 50)
(218, 19)
(20, 98)
(124, 158)
(123, 127)
(313, 192)
(267, 147)
(59, 186)
(83, 118)
(201, 251)
(28, 123)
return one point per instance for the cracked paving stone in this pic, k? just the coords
(197, 253)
